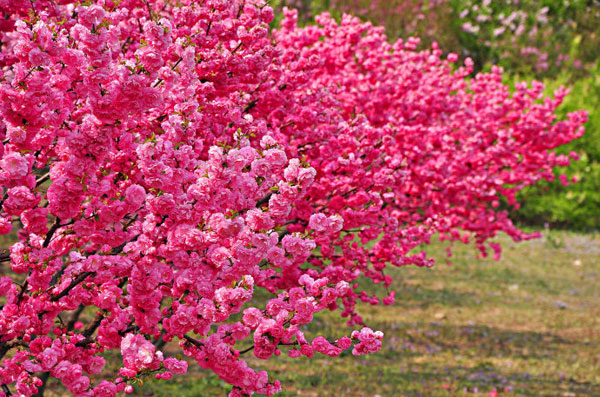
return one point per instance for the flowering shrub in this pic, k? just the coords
(168, 159)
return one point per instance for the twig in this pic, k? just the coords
(250, 106)
(6, 390)
(246, 350)
(237, 48)
(193, 341)
(51, 233)
(4, 255)
(26, 76)
(23, 288)
(172, 68)
(264, 200)
(73, 284)
(42, 179)
(149, 9)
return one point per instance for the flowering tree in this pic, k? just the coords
(167, 159)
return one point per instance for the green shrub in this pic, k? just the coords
(578, 205)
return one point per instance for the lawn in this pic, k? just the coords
(528, 324)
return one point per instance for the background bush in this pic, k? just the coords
(543, 38)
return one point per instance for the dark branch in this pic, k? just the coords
(160, 342)
(283, 234)
(250, 105)
(150, 14)
(4, 255)
(247, 350)
(73, 284)
(51, 232)
(193, 341)
(172, 68)
(23, 288)
(42, 179)
(6, 346)
(237, 48)
(44, 378)
(6, 390)
(263, 200)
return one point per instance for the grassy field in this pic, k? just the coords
(526, 325)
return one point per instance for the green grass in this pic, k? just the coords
(526, 325)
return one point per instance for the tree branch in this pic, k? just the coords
(44, 378)
(264, 200)
(250, 105)
(193, 341)
(73, 284)
(51, 232)
(246, 350)
(4, 255)
(42, 179)
(6, 346)
(6, 390)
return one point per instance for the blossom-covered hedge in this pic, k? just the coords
(557, 42)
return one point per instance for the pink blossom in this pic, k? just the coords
(344, 343)
(135, 195)
(319, 222)
(105, 389)
(5, 225)
(19, 199)
(259, 220)
(5, 285)
(15, 165)
(138, 352)
(176, 366)
(369, 341)
(252, 317)
(35, 220)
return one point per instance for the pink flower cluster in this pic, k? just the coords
(168, 159)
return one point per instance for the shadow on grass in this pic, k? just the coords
(419, 359)
(425, 380)
(323, 377)
(481, 340)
